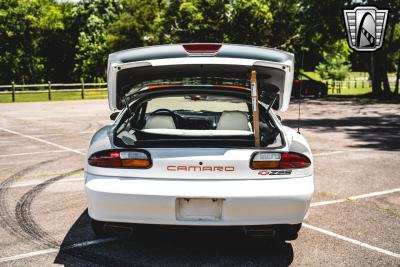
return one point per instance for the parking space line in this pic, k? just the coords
(42, 141)
(36, 182)
(52, 250)
(353, 150)
(328, 153)
(368, 195)
(38, 152)
(47, 135)
(350, 240)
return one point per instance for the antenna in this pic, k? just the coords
(300, 87)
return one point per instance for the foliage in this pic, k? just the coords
(240, 21)
(335, 65)
(93, 18)
(25, 26)
(136, 26)
(65, 41)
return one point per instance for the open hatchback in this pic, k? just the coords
(196, 141)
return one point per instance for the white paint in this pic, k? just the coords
(36, 182)
(46, 135)
(42, 141)
(373, 194)
(353, 241)
(328, 153)
(28, 255)
(39, 152)
(35, 135)
(323, 203)
(56, 249)
(354, 150)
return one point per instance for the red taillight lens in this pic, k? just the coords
(297, 81)
(268, 160)
(201, 48)
(294, 161)
(121, 159)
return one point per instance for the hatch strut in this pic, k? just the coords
(254, 104)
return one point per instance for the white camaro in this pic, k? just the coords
(195, 142)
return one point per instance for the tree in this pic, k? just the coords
(136, 26)
(93, 17)
(24, 28)
(250, 22)
(58, 47)
(380, 62)
(335, 65)
(194, 21)
(240, 21)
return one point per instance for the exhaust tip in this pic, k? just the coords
(259, 232)
(116, 229)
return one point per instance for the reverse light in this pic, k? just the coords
(267, 160)
(121, 159)
(202, 48)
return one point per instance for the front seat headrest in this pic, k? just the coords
(159, 122)
(233, 120)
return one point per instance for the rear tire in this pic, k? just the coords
(290, 231)
(98, 228)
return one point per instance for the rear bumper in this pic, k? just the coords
(153, 201)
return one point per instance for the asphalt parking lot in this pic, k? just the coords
(354, 218)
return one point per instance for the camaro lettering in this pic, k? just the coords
(194, 168)
(201, 168)
(171, 168)
(229, 168)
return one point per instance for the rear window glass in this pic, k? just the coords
(191, 81)
(197, 103)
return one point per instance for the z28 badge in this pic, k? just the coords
(277, 172)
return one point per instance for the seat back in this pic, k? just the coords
(233, 120)
(159, 122)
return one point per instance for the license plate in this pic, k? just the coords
(198, 209)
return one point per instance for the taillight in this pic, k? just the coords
(297, 81)
(121, 159)
(268, 160)
(201, 48)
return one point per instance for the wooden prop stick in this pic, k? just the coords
(254, 104)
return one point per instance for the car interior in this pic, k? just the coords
(194, 117)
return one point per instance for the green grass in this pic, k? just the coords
(350, 91)
(312, 75)
(354, 88)
(351, 76)
(55, 96)
(356, 83)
